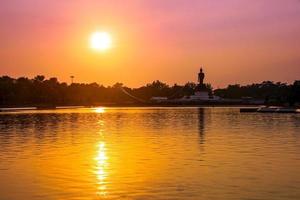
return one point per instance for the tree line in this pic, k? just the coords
(41, 91)
(276, 93)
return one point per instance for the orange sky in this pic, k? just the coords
(238, 41)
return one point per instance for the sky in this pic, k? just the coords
(237, 41)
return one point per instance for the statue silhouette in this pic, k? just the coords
(201, 76)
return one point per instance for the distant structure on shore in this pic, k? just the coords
(202, 92)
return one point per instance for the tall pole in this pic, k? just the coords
(72, 77)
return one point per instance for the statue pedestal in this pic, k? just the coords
(200, 95)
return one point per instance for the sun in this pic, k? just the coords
(100, 41)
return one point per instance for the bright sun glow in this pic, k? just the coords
(100, 41)
(99, 110)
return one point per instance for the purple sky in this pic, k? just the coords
(238, 41)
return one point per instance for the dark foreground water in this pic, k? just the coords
(149, 153)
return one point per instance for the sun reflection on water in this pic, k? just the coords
(100, 110)
(101, 169)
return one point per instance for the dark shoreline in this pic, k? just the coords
(13, 108)
(29, 108)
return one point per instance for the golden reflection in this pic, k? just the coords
(101, 169)
(99, 110)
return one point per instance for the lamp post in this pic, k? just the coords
(72, 78)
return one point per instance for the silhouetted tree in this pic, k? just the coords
(41, 91)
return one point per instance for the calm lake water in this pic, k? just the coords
(149, 153)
